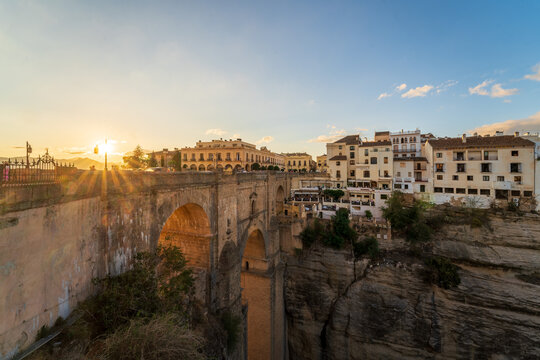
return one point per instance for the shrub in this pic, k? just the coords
(158, 282)
(369, 215)
(231, 324)
(441, 272)
(255, 166)
(369, 246)
(512, 206)
(163, 337)
(409, 220)
(341, 225)
(312, 233)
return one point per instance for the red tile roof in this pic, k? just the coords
(480, 141)
(339, 157)
(376, 143)
(349, 140)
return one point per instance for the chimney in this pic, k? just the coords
(464, 138)
(516, 134)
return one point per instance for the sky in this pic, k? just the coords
(287, 75)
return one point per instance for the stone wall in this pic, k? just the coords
(55, 238)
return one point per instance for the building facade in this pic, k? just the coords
(406, 143)
(500, 167)
(322, 163)
(228, 155)
(298, 162)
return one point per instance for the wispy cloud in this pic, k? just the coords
(332, 136)
(536, 75)
(496, 90)
(396, 90)
(311, 102)
(445, 85)
(420, 91)
(532, 123)
(265, 140)
(217, 132)
(401, 87)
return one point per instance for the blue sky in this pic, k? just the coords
(288, 75)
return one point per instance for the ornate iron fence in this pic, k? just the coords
(43, 170)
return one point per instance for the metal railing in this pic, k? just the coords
(44, 170)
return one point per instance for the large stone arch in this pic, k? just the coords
(189, 229)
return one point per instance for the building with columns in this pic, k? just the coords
(228, 155)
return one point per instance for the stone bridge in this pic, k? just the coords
(55, 238)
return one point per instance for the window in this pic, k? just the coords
(460, 168)
(228, 157)
(366, 173)
(386, 160)
(386, 173)
(304, 162)
(455, 177)
(515, 167)
(384, 196)
(397, 186)
(460, 191)
(437, 190)
(500, 178)
(449, 190)
(351, 162)
(515, 153)
(373, 160)
(485, 178)
(290, 163)
(473, 191)
(474, 155)
(439, 155)
(422, 188)
(237, 156)
(527, 193)
(339, 147)
(185, 157)
(351, 147)
(470, 178)
(219, 157)
(486, 167)
(192, 157)
(485, 192)
(439, 177)
(338, 174)
(366, 152)
(351, 155)
(201, 157)
(294, 162)
(439, 167)
(352, 173)
(366, 161)
(516, 193)
(406, 186)
(459, 156)
(517, 180)
(338, 163)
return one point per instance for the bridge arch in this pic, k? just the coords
(189, 229)
(256, 285)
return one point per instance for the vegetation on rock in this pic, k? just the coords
(369, 246)
(441, 272)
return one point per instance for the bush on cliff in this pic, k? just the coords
(408, 220)
(369, 246)
(441, 272)
(312, 233)
(159, 282)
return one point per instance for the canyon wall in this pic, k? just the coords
(341, 309)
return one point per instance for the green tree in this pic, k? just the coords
(369, 215)
(335, 194)
(255, 166)
(177, 161)
(152, 161)
(369, 246)
(408, 220)
(136, 160)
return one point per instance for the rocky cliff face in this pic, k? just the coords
(339, 309)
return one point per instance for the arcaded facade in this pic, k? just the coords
(228, 155)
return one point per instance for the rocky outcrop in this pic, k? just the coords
(387, 311)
